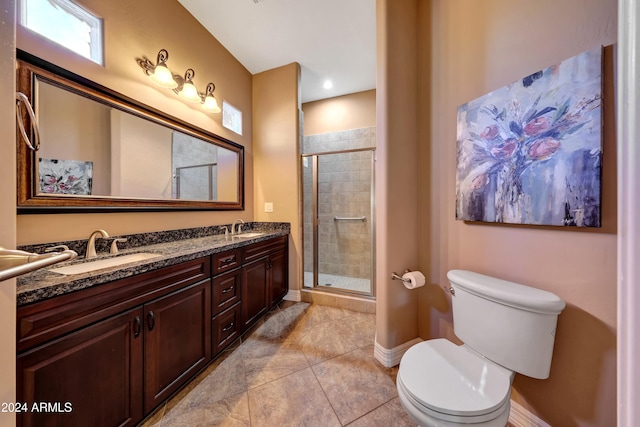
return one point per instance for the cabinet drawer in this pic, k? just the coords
(225, 261)
(261, 249)
(226, 327)
(226, 291)
(45, 320)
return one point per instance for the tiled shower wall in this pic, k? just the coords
(344, 190)
(195, 183)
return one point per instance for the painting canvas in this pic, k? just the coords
(530, 152)
(65, 176)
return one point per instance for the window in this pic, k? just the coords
(231, 117)
(65, 23)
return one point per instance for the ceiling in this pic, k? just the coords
(331, 39)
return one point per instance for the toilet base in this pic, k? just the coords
(425, 420)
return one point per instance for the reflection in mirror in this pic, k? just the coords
(101, 150)
(108, 152)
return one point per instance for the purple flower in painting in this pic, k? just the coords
(490, 132)
(48, 189)
(537, 126)
(49, 179)
(504, 150)
(543, 148)
(72, 178)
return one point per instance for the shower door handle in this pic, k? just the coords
(341, 218)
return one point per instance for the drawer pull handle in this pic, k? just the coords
(151, 320)
(228, 260)
(229, 326)
(137, 327)
(229, 289)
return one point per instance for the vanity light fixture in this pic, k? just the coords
(160, 75)
(188, 90)
(210, 103)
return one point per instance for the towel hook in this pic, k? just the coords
(21, 98)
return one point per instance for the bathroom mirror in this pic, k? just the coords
(102, 151)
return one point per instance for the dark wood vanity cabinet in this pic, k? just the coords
(264, 278)
(93, 375)
(278, 276)
(255, 291)
(177, 341)
(108, 355)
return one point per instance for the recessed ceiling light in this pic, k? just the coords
(327, 84)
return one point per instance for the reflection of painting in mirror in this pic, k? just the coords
(133, 157)
(65, 176)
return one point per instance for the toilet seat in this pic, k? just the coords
(452, 383)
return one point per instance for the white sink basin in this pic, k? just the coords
(248, 235)
(103, 263)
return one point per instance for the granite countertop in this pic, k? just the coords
(43, 284)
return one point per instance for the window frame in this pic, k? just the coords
(95, 23)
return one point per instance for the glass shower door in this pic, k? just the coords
(338, 191)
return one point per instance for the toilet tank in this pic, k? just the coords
(511, 324)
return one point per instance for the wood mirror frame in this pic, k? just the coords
(30, 200)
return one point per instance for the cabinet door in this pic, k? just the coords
(255, 298)
(278, 274)
(177, 340)
(92, 377)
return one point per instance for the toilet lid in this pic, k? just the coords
(452, 380)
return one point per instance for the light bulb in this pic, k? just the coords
(189, 92)
(163, 77)
(210, 104)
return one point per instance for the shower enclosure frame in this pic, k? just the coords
(315, 234)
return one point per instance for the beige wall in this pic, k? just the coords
(7, 206)
(396, 170)
(133, 30)
(276, 112)
(353, 111)
(472, 48)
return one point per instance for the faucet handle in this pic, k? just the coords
(114, 244)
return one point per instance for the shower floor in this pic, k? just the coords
(340, 282)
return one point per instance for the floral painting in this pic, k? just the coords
(65, 176)
(530, 152)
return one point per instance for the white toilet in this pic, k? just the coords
(506, 328)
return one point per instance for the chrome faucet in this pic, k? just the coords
(91, 244)
(233, 226)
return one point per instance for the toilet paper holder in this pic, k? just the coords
(395, 276)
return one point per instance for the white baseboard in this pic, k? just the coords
(521, 417)
(293, 295)
(391, 357)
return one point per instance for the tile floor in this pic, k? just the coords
(302, 365)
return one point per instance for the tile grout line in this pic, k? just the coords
(244, 373)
